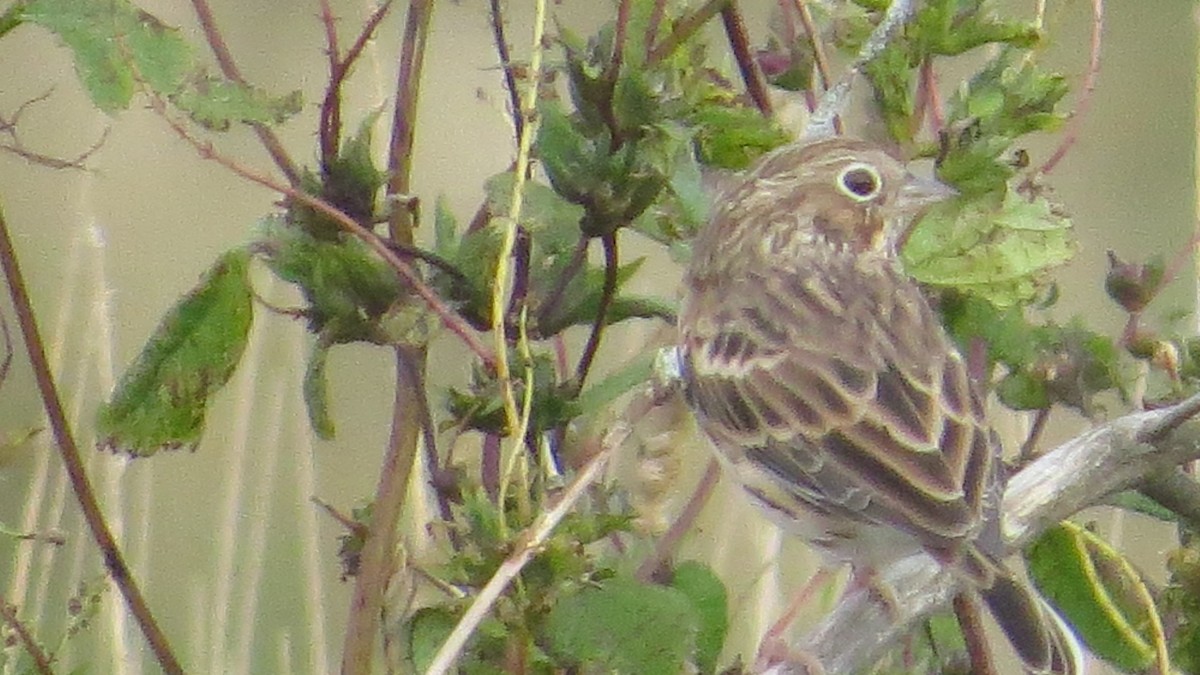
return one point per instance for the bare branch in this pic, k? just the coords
(229, 68)
(1079, 473)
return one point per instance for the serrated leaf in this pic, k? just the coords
(351, 181)
(1101, 594)
(625, 626)
(216, 104)
(638, 370)
(566, 155)
(998, 250)
(731, 136)
(581, 300)
(114, 43)
(161, 401)
(348, 288)
(634, 103)
(1010, 97)
(316, 392)
(551, 220)
(707, 594)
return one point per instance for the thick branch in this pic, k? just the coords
(1080, 473)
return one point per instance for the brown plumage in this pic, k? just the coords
(827, 384)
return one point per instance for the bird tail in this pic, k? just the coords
(1041, 638)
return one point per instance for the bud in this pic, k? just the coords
(1133, 285)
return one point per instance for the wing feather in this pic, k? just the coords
(842, 386)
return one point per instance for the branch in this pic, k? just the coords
(408, 86)
(68, 449)
(1080, 473)
(1085, 98)
(821, 122)
(230, 70)
(451, 320)
(739, 42)
(41, 662)
(510, 79)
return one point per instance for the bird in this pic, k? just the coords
(823, 377)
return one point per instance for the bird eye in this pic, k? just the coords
(859, 182)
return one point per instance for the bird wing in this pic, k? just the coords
(839, 382)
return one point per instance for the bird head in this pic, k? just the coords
(839, 194)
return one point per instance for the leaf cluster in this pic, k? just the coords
(571, 607)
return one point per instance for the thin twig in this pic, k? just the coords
(330, 127)
(558, 290)
(408, 86)
(611, 266)
(510, 79)
(684, 29)
(508, 242)
(1075, 125)
(364, 35)
(114, 560)
(835, 98)
(652, 24)
(665, 547)
(41, 662)
(739, 42)
(815, 41)
(819, 56)
(6, 363)
(391, 490)
(1029, 447)
(229, 68)
(620, 34)
(970, 620)
(450, 319)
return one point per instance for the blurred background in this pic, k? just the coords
(238, 564)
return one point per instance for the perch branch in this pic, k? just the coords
(1079, 473)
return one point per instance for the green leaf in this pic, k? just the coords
(348, 288)
(730, 136)
(581, 300)
(445, 229)
(1101, 594)
(566, 155)
(634, 103)
(707, 594)
(1132, 500)
(1021, 390)
(351, 181)
(997, 249)
(114, 43)
(316, 392)
(638, 370)
(625, 626)
(216, 104)
(551, 220)
(161, 401)
(892, 75)
(427, 630)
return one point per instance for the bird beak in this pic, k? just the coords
(918, 191)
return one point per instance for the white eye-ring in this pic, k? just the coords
(860, 182)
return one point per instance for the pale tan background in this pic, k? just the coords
(237, 564)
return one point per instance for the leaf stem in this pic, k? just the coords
(511, 224)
